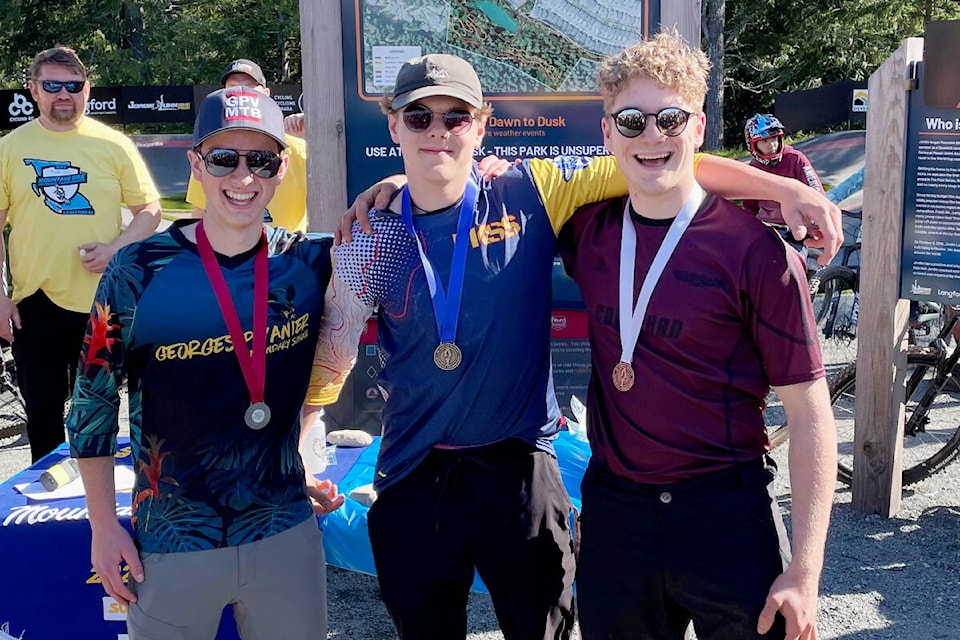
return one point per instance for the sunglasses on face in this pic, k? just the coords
(631, 122)
(222, 162)
(54, 86)
(418, 119)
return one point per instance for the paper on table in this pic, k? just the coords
(123, 478)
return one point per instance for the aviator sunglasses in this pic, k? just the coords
(418, 119)
(54, 86)
(222, 162)
(631, 122)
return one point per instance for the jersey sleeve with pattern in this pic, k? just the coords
(204, 479)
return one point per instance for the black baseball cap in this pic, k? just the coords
(238, 108)
(437, 74)
(248, 67)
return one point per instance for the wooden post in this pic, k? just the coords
(685, 16)
(322, 58)
(881, 357)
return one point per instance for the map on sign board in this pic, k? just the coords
(517, 46)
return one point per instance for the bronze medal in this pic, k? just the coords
(623, 376)
(257, 415)
(447, 356)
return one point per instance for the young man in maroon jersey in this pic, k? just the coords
(679, 519)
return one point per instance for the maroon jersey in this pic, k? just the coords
(730, 316)
(793, 165)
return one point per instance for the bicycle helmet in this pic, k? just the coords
(764, 126)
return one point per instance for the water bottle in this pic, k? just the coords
(60, 474)
(313, 448)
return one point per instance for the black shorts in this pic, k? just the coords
(501, 510)
(653, 558)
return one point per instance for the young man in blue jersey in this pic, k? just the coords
(222, 514)
(459, 270)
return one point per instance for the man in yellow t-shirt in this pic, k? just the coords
(63, 178)
(288, 208)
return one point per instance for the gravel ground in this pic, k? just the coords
(883, 579)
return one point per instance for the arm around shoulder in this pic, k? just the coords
(806, 210)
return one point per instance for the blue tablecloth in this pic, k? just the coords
(48, 589)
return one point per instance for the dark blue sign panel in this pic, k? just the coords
(288, 96)
(106, 104)
(18, 107)
(171, 103)
(537, 63)
(930, 257)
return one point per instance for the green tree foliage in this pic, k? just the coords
(153, 41)
(777, 46)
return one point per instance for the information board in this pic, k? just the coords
(537, 62)
(930, 251)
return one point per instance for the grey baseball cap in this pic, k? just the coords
(437, 74)
(238, 108)
(248, 67)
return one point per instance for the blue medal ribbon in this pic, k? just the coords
(446, 303)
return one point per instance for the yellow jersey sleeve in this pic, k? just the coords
(566, 183)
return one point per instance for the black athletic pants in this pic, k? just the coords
(653, 558)
(47, 350)
(501, 509)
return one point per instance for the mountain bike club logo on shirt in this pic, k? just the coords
(58, 182)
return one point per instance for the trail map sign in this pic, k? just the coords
(537, 63)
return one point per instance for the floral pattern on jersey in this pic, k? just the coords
(203, 479)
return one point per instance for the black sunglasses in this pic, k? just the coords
(631, 122)
(222, 162)
(418, 119)
(54, 86)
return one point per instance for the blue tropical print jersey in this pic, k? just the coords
(204, 480)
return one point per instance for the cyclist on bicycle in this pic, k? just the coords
(763, 134)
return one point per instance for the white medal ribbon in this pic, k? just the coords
(630, 325)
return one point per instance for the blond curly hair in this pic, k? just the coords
(665, 58)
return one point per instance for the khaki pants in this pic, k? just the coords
(277, 586)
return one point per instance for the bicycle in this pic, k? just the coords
(835, 292)
(13, 415)
(932, 428)
(932, 318)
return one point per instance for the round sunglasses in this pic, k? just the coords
(222, 162)
(54, 86)
(631, 122)
(418, 119)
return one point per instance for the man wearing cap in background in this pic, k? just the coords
(63, 178)
(288, 208)
(221, 512)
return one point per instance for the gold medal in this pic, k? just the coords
(447, 356)
(623, 376)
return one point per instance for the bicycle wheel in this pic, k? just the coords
(835, 307)
(932, 447)
(775, 420)
(13, 416)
